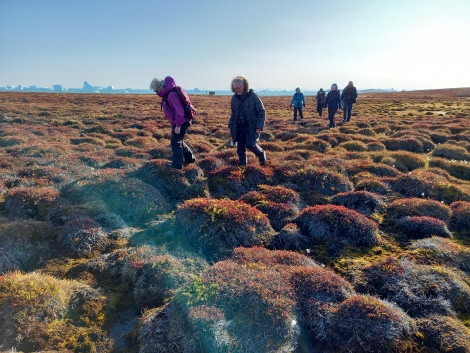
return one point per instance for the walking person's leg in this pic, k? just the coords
(259, 152)
(345, 110)
(350, 106)
(301, 113)
(241, 147)
(295, 114)
(188, 155)
(331, 117)
(176, 149)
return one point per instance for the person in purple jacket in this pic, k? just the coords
(174, 112)
(333, 102)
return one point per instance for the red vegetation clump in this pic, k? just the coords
(373, 185)
(258, 303)
(441, 251)
(233, 182)
(318, 284)
(209, 163)
(290, 238)
(364, 202)
(422, 227)
(219, 226)
(39, 312)
(460, 220)
(317, 180)
(83, 236)
(402, 160)
(256, 254)
(173, 184)
(266, 290)
(457, 169)
(378, 169)
(422, 183)
(410, 207)
(26, 245)
(444, 333)
(43, 175)
(133, 200)
(451, 151)
(278, 203)
(410, 144)
(30, 202)
(337, 226)
(420, 290)
(363, 323)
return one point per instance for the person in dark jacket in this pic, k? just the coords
(298, 100)
(174, 112)
(333, 102)
(320, 100)
(246, 120)
(349, 97)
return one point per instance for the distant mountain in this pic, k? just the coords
(88, 88)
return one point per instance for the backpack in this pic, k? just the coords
(189, 110)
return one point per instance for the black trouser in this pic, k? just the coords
(347, 110)
(320, 108)
(180, 150)
(244, 142)
(300, 112)
(331, 116)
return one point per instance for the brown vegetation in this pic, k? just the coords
(350, 239)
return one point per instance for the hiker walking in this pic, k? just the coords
(333, 102)
(320, 100)
(174, 112)
(349, 97)
(246, 120)
(298, 101)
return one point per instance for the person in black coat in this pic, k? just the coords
(320, 100)
(246, 120)
(349, 97)
(333, 103)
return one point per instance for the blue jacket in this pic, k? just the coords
(298, 100)
(333, 100)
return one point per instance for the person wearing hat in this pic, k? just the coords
(298, 101)
(320, 100)
(333, 102)
(174, 112)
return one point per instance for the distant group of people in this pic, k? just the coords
(334, 101)
(247, 117)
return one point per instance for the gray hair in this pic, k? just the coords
(156, 83)
(241, 79)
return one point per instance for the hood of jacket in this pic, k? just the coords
(169, 85)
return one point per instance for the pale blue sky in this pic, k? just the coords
(276, 44)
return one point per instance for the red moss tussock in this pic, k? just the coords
(337, 225)
(409, 207)
(30, 202)
(219, 226)
(460, 220)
